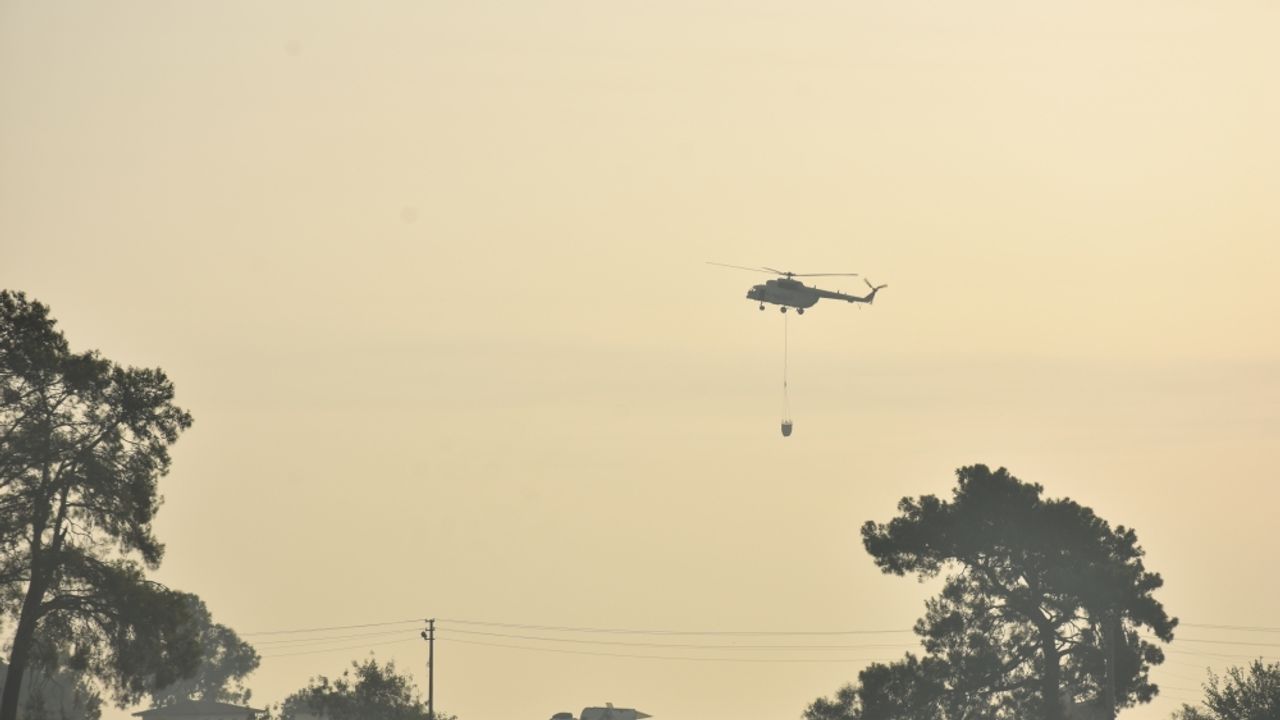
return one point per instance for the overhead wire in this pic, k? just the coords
(331, 638)
(651, 631)
(304, 646)
(1203, 653)
(1228, 642)
(444, 630)
(661, 631)
(321, 651)
(332, 627)
(1182, 650)
(1178, 676)
(1185, 663)
(663, 657)
(317, 640)
(1237, 628)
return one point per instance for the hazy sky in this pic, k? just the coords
(430, 276)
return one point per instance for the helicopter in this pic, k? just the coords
(787, 292)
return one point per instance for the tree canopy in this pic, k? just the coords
(364, 691)
(911, 689)
(1039, 611)
(62, 695)
(1252, 694)
(225, 661)
(83, 443)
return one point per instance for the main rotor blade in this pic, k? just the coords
(743, 267)
(791, 274)
(775, 271)
(810, 274)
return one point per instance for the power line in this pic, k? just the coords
(1195, 699)
(681, 645)
(1177, 676)
(1227, 642)
(365, 646)
(564, 628)
(1198, 666)
(686, 633)
(665, 657)
(1217, 654)
(632, 631)
(290, 643)
(332, 627)
(329, 638)
(1237, 628)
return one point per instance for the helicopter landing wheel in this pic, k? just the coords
(762, 306)
(799, 311)
(782, 309)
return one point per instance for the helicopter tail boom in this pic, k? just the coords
(868, 298)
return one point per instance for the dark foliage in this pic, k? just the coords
(1239, 695)
(225, 661)
(62, 695)
(83, 443)
(365, 691)
(1042, 593)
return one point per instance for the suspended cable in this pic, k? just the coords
(667, 657)
(1220, 655)
(1176, 676)
(786, 393)
(1227, 642)
(1237, 628)
(633, 631)
(1184, 663)
(679, 645)
(331, 638)
(658, 631)
(332, 627)
(366, 646)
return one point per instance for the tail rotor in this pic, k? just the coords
(874, 289)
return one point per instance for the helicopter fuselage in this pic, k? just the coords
(785, 292)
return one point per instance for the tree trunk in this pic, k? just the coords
(25, 635)
(1050, 683)
(23, 639)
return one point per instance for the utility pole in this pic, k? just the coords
(430, 636)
